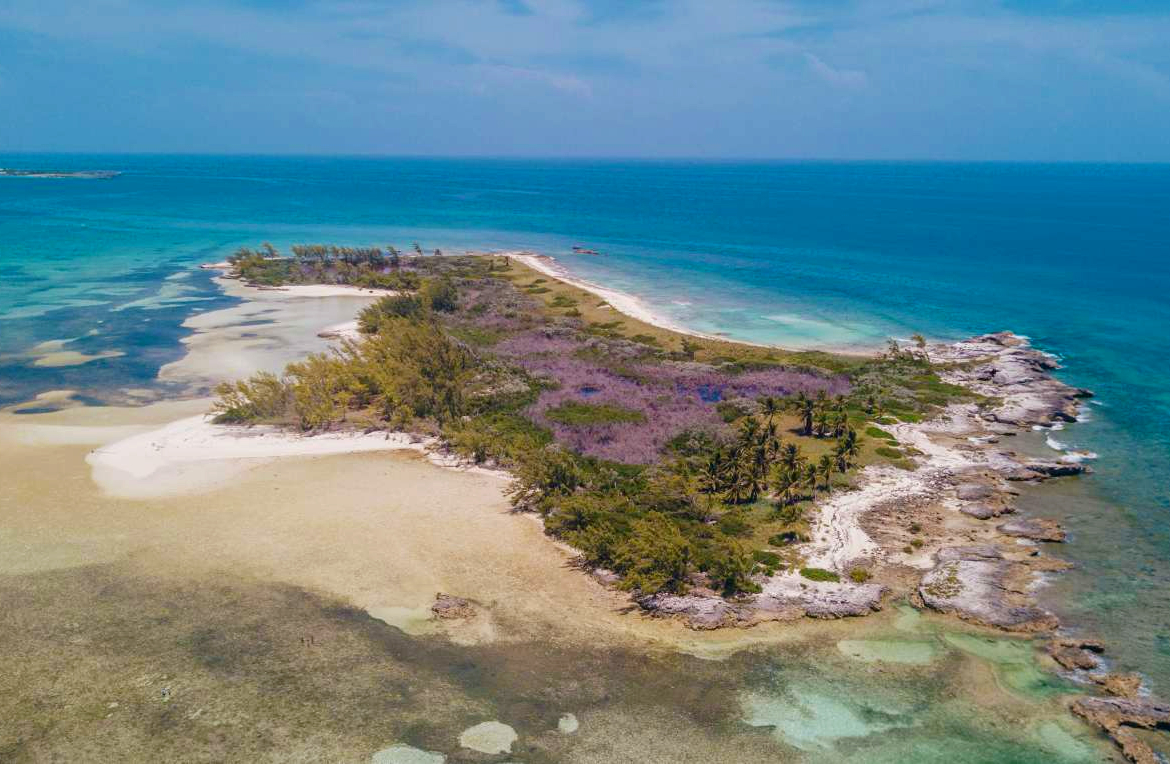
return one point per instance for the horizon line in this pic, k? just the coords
(745, 159)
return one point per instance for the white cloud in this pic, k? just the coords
(848, 78)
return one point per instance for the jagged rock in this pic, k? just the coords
(1041, 529)
(1021, 474)
(1116, 715)
(783, 597)
(1058, 469)
(449, 607)
(1076, 654)
(1121, 685)
(700, 612)
(970, 582)
(1005, 367)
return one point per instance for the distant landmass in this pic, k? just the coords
(7, 172)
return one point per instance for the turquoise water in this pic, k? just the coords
(840, 254)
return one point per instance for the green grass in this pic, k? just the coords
(819, 574)
(888, 453)
(577, 414)
(877, 432)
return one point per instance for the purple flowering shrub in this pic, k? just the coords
(672, 397)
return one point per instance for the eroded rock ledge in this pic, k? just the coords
(976, 584)
(1118, 717)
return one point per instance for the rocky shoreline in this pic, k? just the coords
(973, 563)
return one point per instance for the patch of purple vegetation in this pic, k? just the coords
(712, 385)
(522, 347)
(672, 396)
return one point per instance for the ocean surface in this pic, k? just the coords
(806, 254)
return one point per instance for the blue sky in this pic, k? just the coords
(943, 79)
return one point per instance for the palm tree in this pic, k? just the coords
(823, 418)
(783, 483)
(771, 440)
(749, 431)
(841, 457)
(825, 470)
(711, 474)
(807, 408)
(847, 449)
(758, 470)
(790, 457)
(811, 479)
(769, 407)
(740, 484)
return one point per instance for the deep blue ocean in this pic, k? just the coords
(801, 254)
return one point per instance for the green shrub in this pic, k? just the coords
(440, 295)
(734, 524)
(766, 558)
(819, 574)
(563, 301)
(859, 575)
(887, 452)
(786, 538)
(392, 306)
(727, 565)
(916, 543)
(877, 432)
(262, 397)
(578, 414)
(655, 557)
(916, 527)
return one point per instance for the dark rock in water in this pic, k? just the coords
(974, 492)
(1037, 530)
(1058, 469)
(1022, 474)
(1118, 715)
(449, 607)
(971, 582)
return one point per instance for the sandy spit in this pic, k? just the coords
(622, 302)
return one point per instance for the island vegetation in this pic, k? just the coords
(669, 460)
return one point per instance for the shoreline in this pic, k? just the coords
(636, 308)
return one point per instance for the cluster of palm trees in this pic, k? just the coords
(759, 461)
(819, 416)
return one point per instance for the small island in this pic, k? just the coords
(720, 483)
(6, 172)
